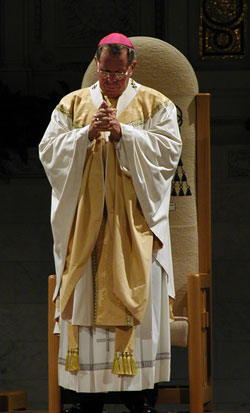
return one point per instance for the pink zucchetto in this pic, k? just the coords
(116, 38)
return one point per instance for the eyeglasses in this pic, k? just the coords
(115, 75)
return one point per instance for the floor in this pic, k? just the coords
(160, 409)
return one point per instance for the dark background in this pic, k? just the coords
(45, 47)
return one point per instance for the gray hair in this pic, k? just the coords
(115, 49)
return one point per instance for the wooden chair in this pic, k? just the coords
(164, 68)
(13, 400)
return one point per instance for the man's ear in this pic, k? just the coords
(95, 58)
(133, 65)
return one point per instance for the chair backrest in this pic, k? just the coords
(164, 68)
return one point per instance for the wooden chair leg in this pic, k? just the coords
(200, 352)
(195, 345)
(53, 346)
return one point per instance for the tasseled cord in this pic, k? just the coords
(124, 364)
(72, 360)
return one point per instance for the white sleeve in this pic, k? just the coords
(62, 153)
(62, 150)
(150, 154)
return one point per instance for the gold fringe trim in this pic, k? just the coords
(62, 109)
(72, 360)
(94, 263)
(124, 364)
(150, 115)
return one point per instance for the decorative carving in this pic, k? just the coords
(78, 23)
(179, 115)
(180, 185)
(223, 28)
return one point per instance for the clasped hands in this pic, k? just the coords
(105, 120)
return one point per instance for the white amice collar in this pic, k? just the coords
(123, 100)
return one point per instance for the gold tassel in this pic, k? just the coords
(115, 366)
(129, 363)
(124, 364)
(133, 364)
(121, 366)
(72, 361)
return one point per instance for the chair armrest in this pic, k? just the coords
(179, 332)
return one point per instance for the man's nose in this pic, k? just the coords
(111, 77)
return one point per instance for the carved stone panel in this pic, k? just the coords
(223, 29)
(79, 23)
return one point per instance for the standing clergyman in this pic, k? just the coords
(110, 152)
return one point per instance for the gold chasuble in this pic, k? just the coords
(110, 228)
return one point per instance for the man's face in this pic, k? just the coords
(111, 86)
